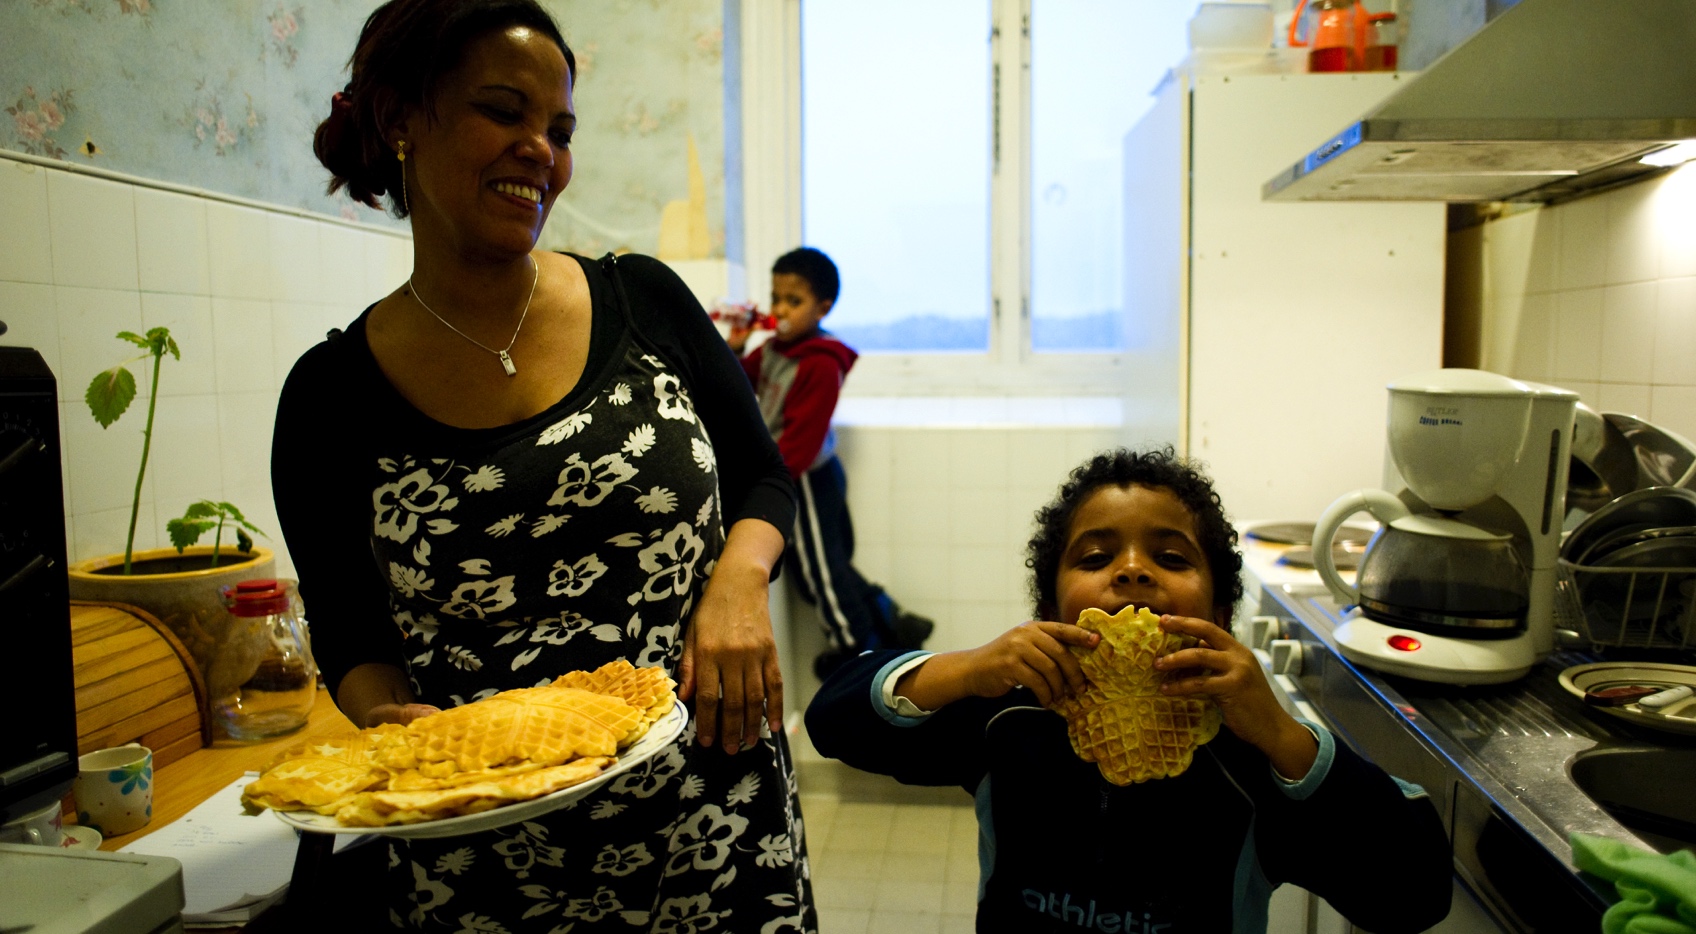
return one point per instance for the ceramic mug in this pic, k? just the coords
(114, 789)
(37, 828)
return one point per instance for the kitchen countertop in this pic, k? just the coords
(178, 787)
(1494, 758)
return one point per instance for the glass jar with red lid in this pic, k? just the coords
(262, 680)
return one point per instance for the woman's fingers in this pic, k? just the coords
(734, 694)
(753, 706)
(732, 701)
(707, 690)
(774, 691)
(397, 713)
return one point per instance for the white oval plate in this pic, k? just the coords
(658, 737)
(1678, 717)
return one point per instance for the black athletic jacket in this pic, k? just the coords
(1063, 850)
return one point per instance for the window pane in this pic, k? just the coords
(1093, 64)
(895, 167)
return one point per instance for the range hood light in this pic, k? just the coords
(1676, 154)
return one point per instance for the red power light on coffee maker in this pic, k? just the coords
(1403, 643)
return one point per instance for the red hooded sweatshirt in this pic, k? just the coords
(797, 385)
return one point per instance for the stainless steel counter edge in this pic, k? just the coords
(1537, 801)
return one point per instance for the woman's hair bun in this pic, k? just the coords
(338, 146)
(404, 49)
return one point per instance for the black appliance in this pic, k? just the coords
(38, 728)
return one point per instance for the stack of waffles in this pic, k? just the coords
(1121, 721)
(513, 746)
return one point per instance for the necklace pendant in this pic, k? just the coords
(507, 364)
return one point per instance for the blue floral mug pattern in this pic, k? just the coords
(114, 789)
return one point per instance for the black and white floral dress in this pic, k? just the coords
(513, 555)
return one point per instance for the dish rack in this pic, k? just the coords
(1622, 607)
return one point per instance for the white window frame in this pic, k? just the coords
(771, 101)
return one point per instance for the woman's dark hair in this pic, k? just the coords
(813, 266)
(1157, 468)
(403, 52)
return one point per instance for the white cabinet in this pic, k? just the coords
(1267, 331)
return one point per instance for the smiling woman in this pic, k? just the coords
(523, 463)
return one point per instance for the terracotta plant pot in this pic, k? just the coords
(181, 589)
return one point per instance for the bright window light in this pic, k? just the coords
(1676, 154)
(895, 168)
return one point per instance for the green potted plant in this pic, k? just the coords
(181, 585)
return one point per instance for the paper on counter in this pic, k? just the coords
(234, 863)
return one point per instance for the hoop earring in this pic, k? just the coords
(400, 154)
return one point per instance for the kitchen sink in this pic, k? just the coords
(1647, 790)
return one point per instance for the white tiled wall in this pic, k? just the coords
(941, 516)
(1599, 295)
(244, 291)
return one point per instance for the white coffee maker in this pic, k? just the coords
(1458, 585)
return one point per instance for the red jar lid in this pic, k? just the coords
(257, 598)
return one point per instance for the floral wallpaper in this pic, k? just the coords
(650, 88)
(225, 96)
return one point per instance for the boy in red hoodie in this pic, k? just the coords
(797, 377)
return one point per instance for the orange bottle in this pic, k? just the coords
(1381, 50)
(1337, 40)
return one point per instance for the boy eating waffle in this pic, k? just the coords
(1132, 770)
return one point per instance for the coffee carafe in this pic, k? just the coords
(1438, 575)
(1458, 586)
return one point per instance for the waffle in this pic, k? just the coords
(1121, 721)
(647, 689)
(384, 808)
(321, 773)
(546, 724)
(513, 746)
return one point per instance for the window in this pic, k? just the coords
(1088, 88)
(985, 224)
(895, 108)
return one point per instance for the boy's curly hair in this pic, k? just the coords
(1157, 468)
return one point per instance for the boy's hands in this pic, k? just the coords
(1225, 670)
(738, 336)
(1032, 655)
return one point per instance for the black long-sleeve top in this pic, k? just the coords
(337, 408)
(1063, 850)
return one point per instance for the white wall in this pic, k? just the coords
(244, 291)
(941, 515)
(1599, 295)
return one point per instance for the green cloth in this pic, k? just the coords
(1657, 893)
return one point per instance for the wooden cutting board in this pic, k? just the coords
(135, 683)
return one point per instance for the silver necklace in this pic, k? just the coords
(505, 355)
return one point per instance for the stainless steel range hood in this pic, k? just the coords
(1552, 98)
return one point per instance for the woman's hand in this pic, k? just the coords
(1225, 670)
(374, 693)
(1032, 655)
(729, 661)
(397, 713)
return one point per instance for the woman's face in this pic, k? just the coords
(484, 173)
(1134, 545)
